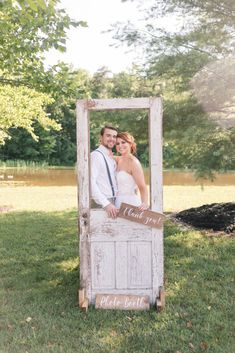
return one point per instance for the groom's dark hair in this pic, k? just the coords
(107, 127)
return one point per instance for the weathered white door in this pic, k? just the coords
(119, 256)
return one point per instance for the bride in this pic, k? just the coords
(130, 175)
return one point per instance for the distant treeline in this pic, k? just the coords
(191, 69)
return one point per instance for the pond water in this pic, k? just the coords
(67, 177)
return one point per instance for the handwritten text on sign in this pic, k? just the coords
(148, 218)
(122, 302)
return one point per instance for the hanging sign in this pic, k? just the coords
(147, 217)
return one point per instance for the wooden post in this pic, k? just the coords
(156, 186)
(83, 153)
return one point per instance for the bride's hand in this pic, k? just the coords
(143, 207)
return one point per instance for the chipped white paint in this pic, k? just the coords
(155, 132)
(156, 188)
(116, 103)
(119, 257)
(84, 195)
(121, 270)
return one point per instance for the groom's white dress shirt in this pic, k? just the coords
(101, 189)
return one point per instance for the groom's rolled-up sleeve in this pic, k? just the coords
(96, 172)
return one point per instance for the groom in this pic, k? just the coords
(103, 169)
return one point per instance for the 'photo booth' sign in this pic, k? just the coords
(148, 218)
(122, 302)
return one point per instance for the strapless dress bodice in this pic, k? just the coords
(127, 189)
(126, 183)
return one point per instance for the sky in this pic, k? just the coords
(89, 48)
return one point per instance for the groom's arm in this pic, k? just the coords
(96, 193)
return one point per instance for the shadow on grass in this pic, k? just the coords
(39, 279)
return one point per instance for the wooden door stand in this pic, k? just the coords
(83, 300)
(120, 260)
(160, 301)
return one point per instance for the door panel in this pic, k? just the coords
(121, 256)
(140, 265)
(121, 265)
(102, 264)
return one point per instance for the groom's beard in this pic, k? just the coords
(109, 148)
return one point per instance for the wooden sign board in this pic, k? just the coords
(122, 302)
(148, 218)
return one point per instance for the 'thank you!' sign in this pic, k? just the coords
(148, 218)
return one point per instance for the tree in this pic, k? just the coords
(180, 59)
(27, 32)
(205, 26)
(28, 29)
(20, 107)
(57, 147)
(121, 85)
(214, 86)
(65, 85)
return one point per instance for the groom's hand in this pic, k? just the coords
(111, 210)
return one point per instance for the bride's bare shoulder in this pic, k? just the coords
(135, 165)
(135, 160)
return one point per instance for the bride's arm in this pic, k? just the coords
(138, 175)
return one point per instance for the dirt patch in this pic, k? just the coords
(216, 217)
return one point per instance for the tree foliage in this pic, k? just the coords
(64, 86)
(20, 107)
(189, 62)
(28, 29)
(214, 86)
(206, 26)
(27, 32)
(183, 64)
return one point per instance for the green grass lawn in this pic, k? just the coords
(39, 282)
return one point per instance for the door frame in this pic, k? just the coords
(155, 110)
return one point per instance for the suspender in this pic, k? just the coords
(109, 175)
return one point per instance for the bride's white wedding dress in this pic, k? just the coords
(127, 189)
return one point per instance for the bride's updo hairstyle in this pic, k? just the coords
(129, 139)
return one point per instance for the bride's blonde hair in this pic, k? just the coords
(126, 136)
